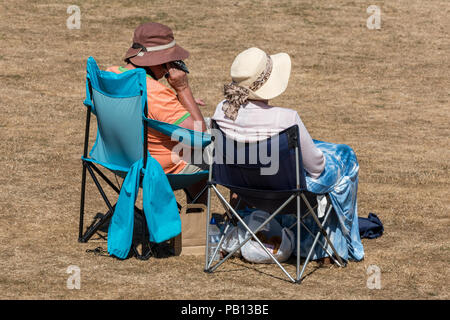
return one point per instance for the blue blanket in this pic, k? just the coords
(340, 180)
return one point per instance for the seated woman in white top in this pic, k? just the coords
(245, 114)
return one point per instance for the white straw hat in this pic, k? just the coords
(255, 75)
(251, 63)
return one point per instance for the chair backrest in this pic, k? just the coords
(119, 102)
(269, 164)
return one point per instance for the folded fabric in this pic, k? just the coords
(370, 227)
(159, 203)
(340, 180)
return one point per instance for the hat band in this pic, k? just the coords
(262, 78)
(157, 48)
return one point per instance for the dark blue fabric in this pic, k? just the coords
(370, 227)
(179, 180)
(233, 165)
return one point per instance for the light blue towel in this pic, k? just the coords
(160, 208)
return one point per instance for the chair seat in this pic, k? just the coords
(180, 181)
(269, 200)
(176, 181)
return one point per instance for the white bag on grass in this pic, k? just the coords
(232, 240)
(278, 241)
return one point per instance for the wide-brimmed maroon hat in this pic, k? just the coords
(154, 44)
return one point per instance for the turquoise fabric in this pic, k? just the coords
(121, 171)
(119, 130)
(188, 137)
(118, 101)
(160, 208)
(128, 84)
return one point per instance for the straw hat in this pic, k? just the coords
(251, 63)
(255, 75)
(154, 44)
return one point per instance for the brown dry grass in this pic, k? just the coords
(385, 93)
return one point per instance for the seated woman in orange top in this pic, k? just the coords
(154, 49)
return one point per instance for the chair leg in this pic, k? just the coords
(208, 219)
(83, 193)
(94, 228)
(252, 235)
(146, 251)
(314, 244)
(299, 214)
(320, 243)
(322, 230)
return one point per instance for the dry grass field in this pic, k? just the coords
(383, 92)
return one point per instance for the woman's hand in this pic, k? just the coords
(179, 82)
(177, 78)
(200, 102)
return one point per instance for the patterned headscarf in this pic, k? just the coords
(236, 95)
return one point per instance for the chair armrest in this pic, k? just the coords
(191, 138)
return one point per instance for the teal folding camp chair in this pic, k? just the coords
(119, 102)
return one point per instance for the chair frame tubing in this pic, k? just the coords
(299, 196)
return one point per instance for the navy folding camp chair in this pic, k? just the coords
(268, 175)
(119, 102)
